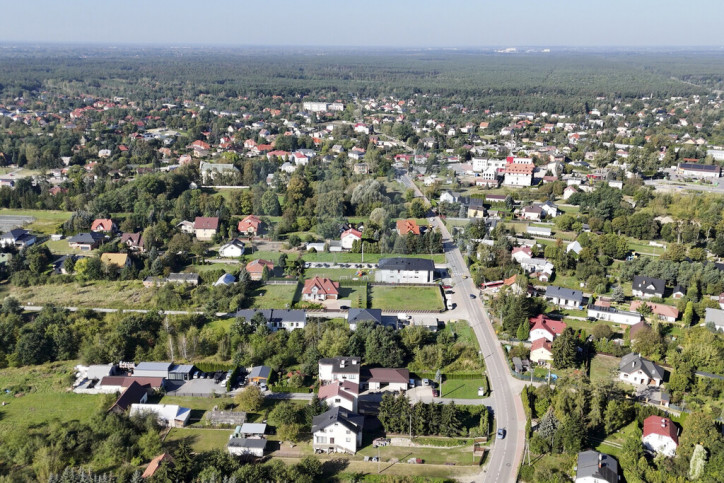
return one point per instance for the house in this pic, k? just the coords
(339, 369)
(348, 237)
(569, 191)
(259, 375)
(595, 467)
(544, 328)
(103, 225)
(287, 319)
(538, 230)
(250, 226)
(612, 314)
(538, 266)
(340, 395)
(18, 238)
(156, 463)
(337, 431)
(678, 292)
(388, 379)
(251, 430)
(116, 384)
(634, 369)
(133, 394)
(647, 287)
(167, 370)
(715, 317)
(320, 289)
(232, 249)
(134, 241)
(211, 171)
(532, 212)
(574, 247)
(86, 241)
(225, 279)
(519, 174)
(521, 253)
(635, 329)
(407, 226)
(255, 268)
(118, 260)
(205, 227)
(541, 351)
(550, 210)
(355, 316)
(186, 227)
(246, 446)
(300, 159)
(189, 278)
(564, 297)
(663, 312)
(660, 436)
(450, 197)
(361, 168)
(476, 209)
(405, 270)
(697, 170)
(168, 415)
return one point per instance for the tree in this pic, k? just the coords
(698, 462)
(290, 432)
(617, 294)
(449, 420)
(572, 434)
(149, 444)
(688, 316)
(270, 203)
(548, 426)
(183, 460)
(417, 208)
(523, 330)
(602, 331)
(250, 399)
(564, 349)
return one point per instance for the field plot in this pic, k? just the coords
(406, 298)
(112, 295)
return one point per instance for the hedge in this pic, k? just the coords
(290, 389)
(214, 366)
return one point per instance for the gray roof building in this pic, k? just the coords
(716, 317)
(653, 287)
(631, 363)
(596, 467)
(561, 293)
(355, 316)
(352, 421)
(399, 263)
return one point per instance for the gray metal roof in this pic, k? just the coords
(182, 369)
(350, 420)
(588, 466)
(564, 293)
(399, 263)
(648, 285)
(633, 362)
(355, 316)
(153, 366)
(294, 315)
(253, 428)
(260, 371)
(247, 443)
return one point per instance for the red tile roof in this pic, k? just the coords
(250, 221)
(520, 168)
(201, 145)
(381, 374)
(155, 464)
(206, 223)
(257, 266)
(335, 389)
(541, 344)
(102, 224)
(658, 309)
(351, 231)
(661, 426)
(554, 327)
(407, 226)
(324, 285)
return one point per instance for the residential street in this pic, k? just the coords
(507, 453)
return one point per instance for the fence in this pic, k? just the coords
(282, 282)
(290, 389)
(453, 376)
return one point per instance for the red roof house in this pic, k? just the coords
(660, 435)
(407, 226)
(103, 224)
(249, 225)
(255, 268)
(544, 328)
(319, 288)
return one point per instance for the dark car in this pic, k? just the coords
(501, 433)
(449, 292)
(472, 296)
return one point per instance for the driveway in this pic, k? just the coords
(196, 387)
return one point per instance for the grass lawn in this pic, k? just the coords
(639, 247)
(439, 456)
(266, 255)
(602, 367)
(60, 247)
(463, 331)
(346, 257)
(45, 397)
(112, 295)
(356, 294)
(46, 222)
(566, 281)
(201, 439)
(338, 274)
(274, 296)
(406, 298)
(461, 388)
(227, 267)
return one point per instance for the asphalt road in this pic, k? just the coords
(506, 453)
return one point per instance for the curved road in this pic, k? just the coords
(506, 454)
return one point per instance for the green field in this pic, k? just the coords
(603, 367)
(356, 294)
(346, 257)
(338, 274)
(201, 439)
(39, 395)
(461, 388)
(274, 296)
(463, 332)
(440, 456)
(406, 298)
(112, 295)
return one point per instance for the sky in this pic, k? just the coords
(367, 23)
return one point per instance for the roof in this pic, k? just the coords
(351, 232)
(638, 327)
(526, 250)
(658, 309)
(288, 315)
(252, 443)
(350, 420)
(14, 234)
(564, 293)
(117, 259)
(519, 169)
(83, 238)
(126, 381)
(714, 316)
(131, 395)
(342, 365)
(592, 464)
(155, 463)
(533, 209)
(250, 221)
(335, 389)
(700, 167)
(554, 327)
(355, 316)
(679, 289)
(648, 285)
(183, 277)
(154, 366)
(574, 246)
(476, 204)
(541, 343)
(257, 266)
(104, 224)
(260, 371)
(253, 428)
(398, 263)
(206, 223)
(134, 238)
(661, 426)
(633, 362)
(225, 279)
(248, 314)
(381, 374)
(182, 368)
(323, 285)
(408, 226)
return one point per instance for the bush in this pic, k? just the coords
(527, 473)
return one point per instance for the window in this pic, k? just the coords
(348, 440)
(322, 439)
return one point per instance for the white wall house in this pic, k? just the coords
(405, 270)
(611, 314)
(337, 431)
(339, 369)
(660, 435)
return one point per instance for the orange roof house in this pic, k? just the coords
(407, 226)
(319, 288)
(155, 464)
(103, 224)
(249, 225)
(255, 268)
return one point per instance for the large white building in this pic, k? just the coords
(337, 431)
(314, 106)
(519, 174)
(405, 270)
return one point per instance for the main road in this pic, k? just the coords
(507, 453)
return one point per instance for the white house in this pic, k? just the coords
(660, 435)
(18, 238)
(541, 351)
(612, 314)
(405, 270)
(348, 238)
(232, 249)
(337, 431)
(634, 369)
(544, 328)
(569, 191)
(339, 369)
(388, 379)
(340, 394)
(519, 174)
(521, 253)
(169, 415)
(574, 247)
(300, 159)
(564, 297)
(246, 446)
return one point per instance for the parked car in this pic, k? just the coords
(501, 433)
(435, 393)
(472, 296)
(449, 292)
(447, 287)
(412, 383)
(380, 442)
(426, 382)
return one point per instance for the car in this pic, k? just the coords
(435, 393)
(426, 382)
(343, 307)
(447, 287)
(501, 433)
(591, 319)
(472, 295)
(412, 383)
(263, 387)
(449, 292)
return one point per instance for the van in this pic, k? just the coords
(412, 383)
(426, 382)
(450, 305)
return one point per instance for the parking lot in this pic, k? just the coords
(195, 387)
(368, 266)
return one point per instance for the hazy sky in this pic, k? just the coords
(395, 23)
